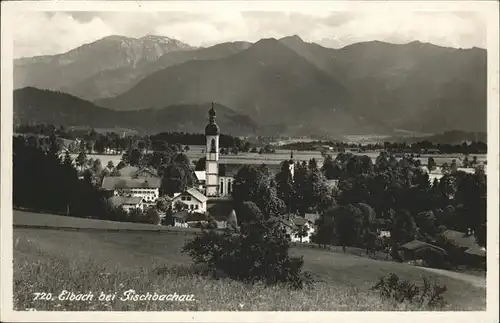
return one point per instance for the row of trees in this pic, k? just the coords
(390, 194)
(426, 146)
(92, 141)
(397, 196)
(275, 195)
(44, 181)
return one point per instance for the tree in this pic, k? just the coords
(453, 166)
(324, 234)
(186, 148)
(120, 165)
(246, 147)
(345, 225)
(268, 201)
(247, 211)
(81, 160)
(404, 228)
(68, 161)
(177, 177)
(110, 165)
(200, 164)
(153, 217)
(431, 164)
(135, 157)
(465, 161)
(313, 164)
(257, 252)
(284, 184)
(317, 195)
(445, 168)
(331, 168)
(246, 184)
(382, 162)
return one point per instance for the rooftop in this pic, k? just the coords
(417, 244)
(463, 240)
(197, 194)
(124, 200)
(125, 182)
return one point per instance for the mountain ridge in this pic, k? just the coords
(374, 85)
(282, 81)
(51, 107)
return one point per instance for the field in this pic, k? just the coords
(50, 261)
(196, 152)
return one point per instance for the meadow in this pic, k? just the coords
(196, 152)
(52, 261)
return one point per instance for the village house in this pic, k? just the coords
(137, 172)
(193, 199)
(419, 253)
(299, 229)
(127, 203)
(148, 189)
(463, 247)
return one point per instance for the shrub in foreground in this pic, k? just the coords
(256, 252)
(399, 290)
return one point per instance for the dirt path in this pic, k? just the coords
(473, 280)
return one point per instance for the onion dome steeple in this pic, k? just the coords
(212, 128)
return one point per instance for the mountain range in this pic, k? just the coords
(287, 84)
(32, 105)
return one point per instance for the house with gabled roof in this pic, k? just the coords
(147, 188)
(194, 200)
(127, 203)
(463, 247)
(417, 251)
(134, 171)
(297, 228)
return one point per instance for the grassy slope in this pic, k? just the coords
(78, 261)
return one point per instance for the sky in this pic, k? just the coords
(48, 33)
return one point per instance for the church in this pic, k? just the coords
(214, 182)
(217, 182)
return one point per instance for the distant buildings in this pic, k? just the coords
(193, 200)
(437, 173)
(138, 183)
(127, 203)
(300, 229)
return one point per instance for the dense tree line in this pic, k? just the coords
(388, 195)
(257, 191)
(400, 199)
(419, 147)
(44, 181)
(92, 141)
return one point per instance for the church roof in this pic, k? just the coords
(212, 129)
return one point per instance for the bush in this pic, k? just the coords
(259, 252)
(399, 290)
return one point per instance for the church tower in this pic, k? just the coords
(291, 164)
(212, 154)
